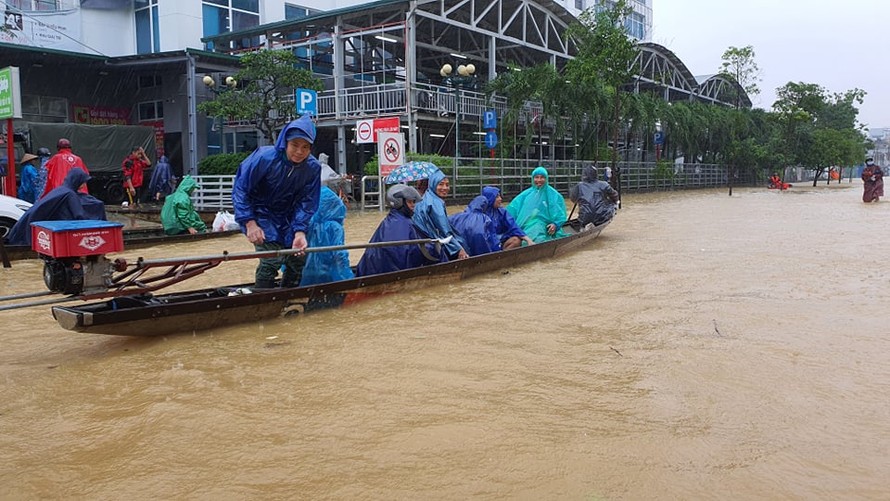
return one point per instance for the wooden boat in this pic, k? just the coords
(155, 315)
(152, 213)
(134, 238)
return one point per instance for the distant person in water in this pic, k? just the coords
(873, 182)
(775, 182)
(539, 210)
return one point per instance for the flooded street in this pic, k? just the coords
(704, 346)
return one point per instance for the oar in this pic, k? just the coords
(227, 256)
(572, 212)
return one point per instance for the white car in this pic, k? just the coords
(11, 209)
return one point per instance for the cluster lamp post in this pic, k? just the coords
(229, 83)
(465, 79)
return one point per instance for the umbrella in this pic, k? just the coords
(411, 171)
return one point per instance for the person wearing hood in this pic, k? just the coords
(58, 167)
(431, 217)
(64, 203)
(596, 199)
(162, 181)
(476, 228)
(539, 210)
(28, 184)
(510, 235)
(395, 227)
(872, 182)
(178, 215)
(42, 171)
(325, 230)
(275, 195)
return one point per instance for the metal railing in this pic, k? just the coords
(512, 176)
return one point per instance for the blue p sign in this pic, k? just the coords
(659, 137)
(306, 101)
(490, 119)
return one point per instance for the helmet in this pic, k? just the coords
(398, 194)
(63, 143)
(43, 152)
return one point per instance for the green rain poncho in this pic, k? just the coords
(535, 208)
(178, 213)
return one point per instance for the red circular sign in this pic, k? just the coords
(392, 150)
(365, 131)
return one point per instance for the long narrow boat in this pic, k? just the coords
(134, 238)
(152, 213)
(155, 315)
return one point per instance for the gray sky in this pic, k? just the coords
(839, 45)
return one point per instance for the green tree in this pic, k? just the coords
(738, 64)
(264, 82)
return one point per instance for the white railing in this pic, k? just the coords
(215, 192)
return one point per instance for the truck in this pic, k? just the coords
(103, 149)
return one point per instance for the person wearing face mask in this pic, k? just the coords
(873, 182)
(275, 194)
(396, 226)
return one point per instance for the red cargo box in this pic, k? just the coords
(76, 238)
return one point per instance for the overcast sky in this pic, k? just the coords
(839, 45)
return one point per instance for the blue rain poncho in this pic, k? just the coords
(178, 213)
(326, 229)
(396, 226)
(431, 217)
(535, 208)
(475, 228)
(61, 204)
(504, 224)
(596, 199)
(162, 179)
(280, 196)
(28, 187)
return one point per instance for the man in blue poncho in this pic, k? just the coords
(539, 210)
(509, 233)
(163, 182)
(326, 229)
(61, 204)
(396, 226)
(475, 228)
(275, 195)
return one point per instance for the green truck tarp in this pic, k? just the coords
(102, 147)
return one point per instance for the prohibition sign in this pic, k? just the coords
(391, 150)
(365, 131)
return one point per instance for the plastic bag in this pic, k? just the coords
(224, 221)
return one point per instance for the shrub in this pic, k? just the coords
(224, 164)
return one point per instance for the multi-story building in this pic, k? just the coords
(141, 61)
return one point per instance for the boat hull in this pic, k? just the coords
(226, 306)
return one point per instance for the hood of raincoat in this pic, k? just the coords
(435, 178)
(299, 128)
(589, 174)
(491, 194)
(542, 171)
(75, 178)
(330, 207)
(163, 159)
(187, 185)
(478, 204)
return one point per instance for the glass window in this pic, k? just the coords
(216, 20)
(295, 12)
(243, 21)
(151, 110)
(248, 5)
(579, 4)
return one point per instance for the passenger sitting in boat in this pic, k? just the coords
(396, 226)
(509, 233)
(60, 204)
(178, 215)
(326, 229)
(275, 194)
(539, 210)
(475, 228)
(775, 182)
(431, 217)
(596, 199)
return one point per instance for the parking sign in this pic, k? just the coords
(306, 101)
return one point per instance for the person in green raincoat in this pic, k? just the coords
(539, 210)
(178, 214)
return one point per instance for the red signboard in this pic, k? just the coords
(101, 115)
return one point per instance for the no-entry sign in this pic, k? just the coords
(366, 131)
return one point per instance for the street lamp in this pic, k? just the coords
(463, 80)
(228, 84)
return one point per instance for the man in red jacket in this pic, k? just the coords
(58, 166)
(134, 165)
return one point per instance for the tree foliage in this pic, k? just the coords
(265, 81)
(739, 64)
